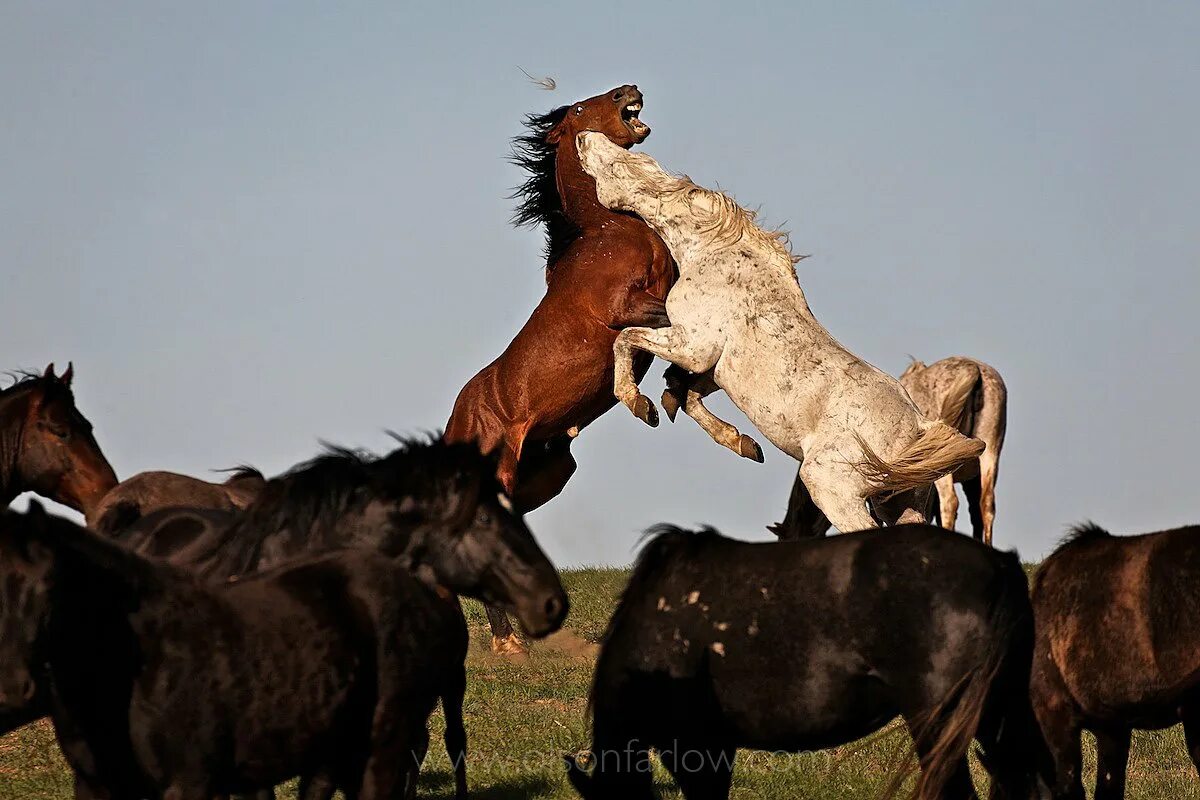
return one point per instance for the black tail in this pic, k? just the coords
(995, 692)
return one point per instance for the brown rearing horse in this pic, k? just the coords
(605, 271)
(47, 446)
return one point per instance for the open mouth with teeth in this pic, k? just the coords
(629, 115)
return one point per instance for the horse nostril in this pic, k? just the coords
(554, 607)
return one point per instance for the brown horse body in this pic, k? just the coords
(47, 446)
(605, 271)
(135, 497)
(1117, 648)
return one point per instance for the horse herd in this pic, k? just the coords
(199, 640)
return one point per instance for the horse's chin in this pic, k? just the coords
(639, 130)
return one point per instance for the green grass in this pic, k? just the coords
(522, 716)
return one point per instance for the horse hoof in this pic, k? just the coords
(509, 646)
(748, 448)
(670, 404)
(644, 410)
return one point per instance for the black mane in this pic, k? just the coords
(315, 495)
(1087, 532)
(539, 202)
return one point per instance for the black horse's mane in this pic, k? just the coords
(316, 494)
(1087, 532)
(538, 198)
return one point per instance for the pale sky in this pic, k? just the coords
(253, 226)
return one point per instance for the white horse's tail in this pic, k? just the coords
(956, 410)
(939, 450)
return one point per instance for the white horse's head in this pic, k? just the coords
(690, 218)
(620, 175)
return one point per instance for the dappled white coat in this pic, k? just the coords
(738, 311)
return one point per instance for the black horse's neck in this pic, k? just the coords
(13, 411)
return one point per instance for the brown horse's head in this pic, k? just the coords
(58, 456)
(614, 113)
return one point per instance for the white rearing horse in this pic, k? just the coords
(738, 311)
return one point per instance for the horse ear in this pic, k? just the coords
(69, 374)
(49, 373)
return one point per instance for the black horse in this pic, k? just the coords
(47, 446)
(423, 496)
(417, 493)
(166, 686)
(1118, 648)
(719, 644)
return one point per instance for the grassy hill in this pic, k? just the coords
(522, 716)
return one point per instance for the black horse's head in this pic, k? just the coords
(453, 526)
(26, 570)
(436, 507)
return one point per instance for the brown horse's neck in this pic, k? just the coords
(577, 190)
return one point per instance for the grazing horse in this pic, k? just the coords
(965, 394)
(1117, 648)
(739, 317)
(418, 496)
(792, 646)
(984, 416)
(166, 686)
(134, 498)
(47, 446)
(605, 271)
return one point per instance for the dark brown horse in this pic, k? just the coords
(605, 271)
(1117, 648)
(146, 492)
(47, 446)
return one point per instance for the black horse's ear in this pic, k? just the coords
(69, 374)
(49, 372)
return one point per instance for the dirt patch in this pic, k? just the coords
(568, 643)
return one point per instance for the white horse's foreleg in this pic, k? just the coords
(721, 431)
(671, 344)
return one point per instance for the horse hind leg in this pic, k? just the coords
(838, 496)
(907, 507)
(947, 501)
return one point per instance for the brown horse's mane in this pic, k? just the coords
(538, 200)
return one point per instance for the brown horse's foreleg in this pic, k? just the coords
(696, 388)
